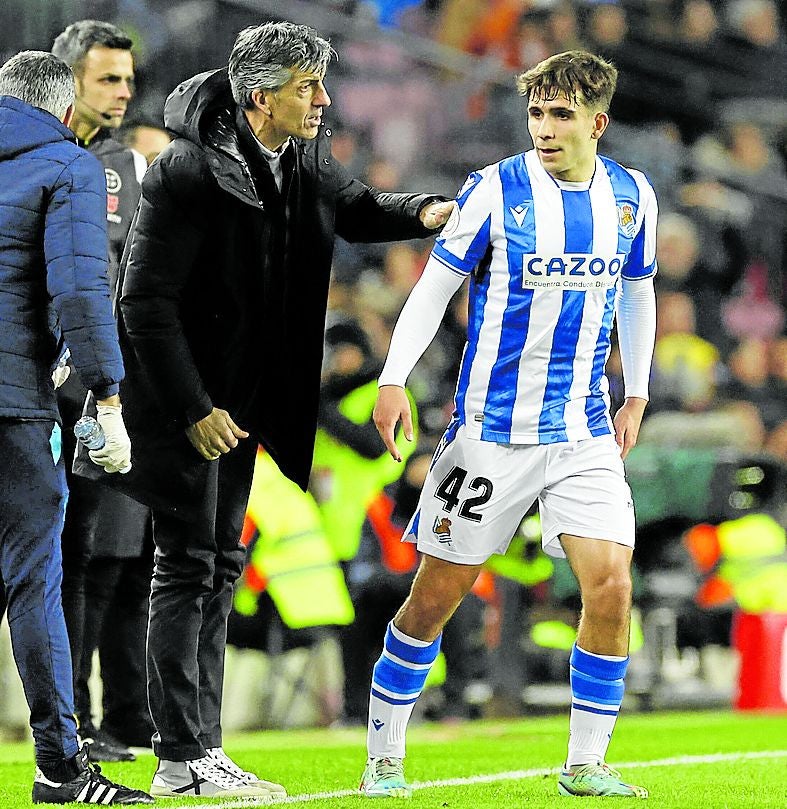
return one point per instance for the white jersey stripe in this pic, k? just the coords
(485, 326)
(577, 230)
(518, 237)
(545, 307)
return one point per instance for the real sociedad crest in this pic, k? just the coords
(627, 219)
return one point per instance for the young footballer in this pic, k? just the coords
(558, 242)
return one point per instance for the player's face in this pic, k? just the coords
(104, 86)
(296, 108)
(565, 134)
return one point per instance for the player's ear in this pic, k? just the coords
(600, 123)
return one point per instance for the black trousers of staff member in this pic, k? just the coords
(198, 558)
(117, 592)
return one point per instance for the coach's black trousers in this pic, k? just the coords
(197, 562)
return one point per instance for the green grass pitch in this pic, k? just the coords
(717, 760)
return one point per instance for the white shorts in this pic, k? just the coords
(477, 493)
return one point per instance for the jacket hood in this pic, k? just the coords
(194, 104)
(24, 128)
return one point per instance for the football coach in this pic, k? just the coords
(222, 313)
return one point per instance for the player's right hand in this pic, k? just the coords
(215, 435)
(392, 406)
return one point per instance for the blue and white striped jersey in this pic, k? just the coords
(547, 260)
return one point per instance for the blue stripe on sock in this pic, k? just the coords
(596, 666)
(391, 700)
(607, 692)
(397, 678)
(577, 707)
(412, 654)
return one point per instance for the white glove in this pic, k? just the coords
(62, 370)
(115, 455)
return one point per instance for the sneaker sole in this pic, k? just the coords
(394, 792)
(566, 793)
(241, 792)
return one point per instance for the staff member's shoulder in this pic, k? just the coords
(79, 166)
(82, 178)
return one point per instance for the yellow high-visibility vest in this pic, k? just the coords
(754, 562)
(348, 481)
(292, 554)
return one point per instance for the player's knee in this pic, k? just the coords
(422, 618)
(609, 597)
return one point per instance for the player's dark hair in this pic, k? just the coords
(73, 44)
(581, 76)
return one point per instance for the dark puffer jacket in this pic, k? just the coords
(214, 311)
(53, 264)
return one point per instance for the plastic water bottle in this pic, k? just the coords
(89, 432)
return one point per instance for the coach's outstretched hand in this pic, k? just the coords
(392, 405)
(436, 214)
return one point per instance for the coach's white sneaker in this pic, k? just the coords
(201, 777)
(226, 763)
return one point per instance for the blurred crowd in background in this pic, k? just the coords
(423, 93)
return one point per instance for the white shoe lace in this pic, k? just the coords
(226, 763)
(209, 769)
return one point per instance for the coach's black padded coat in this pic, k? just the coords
(224, 298)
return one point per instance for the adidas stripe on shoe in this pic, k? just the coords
(90, 786)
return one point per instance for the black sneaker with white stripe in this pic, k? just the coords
(89, 786)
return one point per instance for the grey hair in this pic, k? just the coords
(39, 79)
(264, 56)
(73, 44)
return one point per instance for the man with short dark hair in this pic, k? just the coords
(54, 296)
(222, 313)
(107, 544)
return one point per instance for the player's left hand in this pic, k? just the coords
(627, 422)
(436, 214)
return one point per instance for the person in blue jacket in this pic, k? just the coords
(54, 296)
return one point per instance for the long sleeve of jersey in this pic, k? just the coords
(419, 320)
(636, 316)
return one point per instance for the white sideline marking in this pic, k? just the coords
(513, 775)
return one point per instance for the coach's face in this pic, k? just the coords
(565, 134)
(294, 109)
